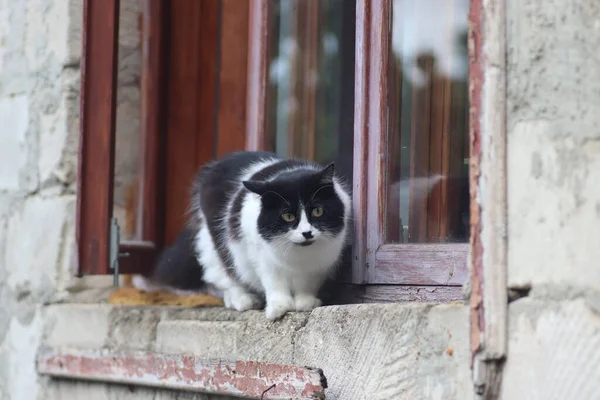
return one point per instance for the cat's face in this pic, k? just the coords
(299, 207)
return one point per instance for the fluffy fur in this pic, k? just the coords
(262, 228)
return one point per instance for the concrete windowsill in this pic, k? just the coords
(422, 349)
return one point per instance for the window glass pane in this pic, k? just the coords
(428, 199)
(125, 205)
(311, 80)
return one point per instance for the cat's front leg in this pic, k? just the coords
(306, 289)
(306, 302)
(277, 292)
(237, 298)
(278, 304)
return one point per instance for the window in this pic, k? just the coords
(378, 86)
(410, 147)
(188, 71)
(310, 80)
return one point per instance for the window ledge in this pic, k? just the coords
(250, 379)
(422, 348)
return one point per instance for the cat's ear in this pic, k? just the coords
(326, 174)
(257, 187)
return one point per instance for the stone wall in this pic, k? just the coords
(39, 95)
(554, 199)
(40, 54)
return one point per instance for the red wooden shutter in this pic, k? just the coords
(97, 140)
(97, 135)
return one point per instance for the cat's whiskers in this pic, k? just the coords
(286, 251)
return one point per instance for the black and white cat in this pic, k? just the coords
(261, 228)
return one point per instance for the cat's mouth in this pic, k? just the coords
(306, 243)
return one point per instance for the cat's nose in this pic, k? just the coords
(307, 234)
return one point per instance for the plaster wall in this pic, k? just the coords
(553, 199)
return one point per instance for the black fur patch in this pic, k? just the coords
(294, 191)
(215, 185)
(178, 266)
(262, 175)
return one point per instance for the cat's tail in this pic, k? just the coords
(177, 269)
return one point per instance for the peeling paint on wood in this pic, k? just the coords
(422, 264)
(488, 251)
(487, 89)
(251, 379)
(475, 260)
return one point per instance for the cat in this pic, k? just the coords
(264, 231)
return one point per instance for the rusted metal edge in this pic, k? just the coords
(251, 379)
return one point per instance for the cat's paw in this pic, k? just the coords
(306, 302)
(278, 307)
(240, 300)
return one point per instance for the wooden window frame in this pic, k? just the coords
(430, 272)
(164, 131)
(258, 56)
(97, 140)
(374, 261)
(97, 135)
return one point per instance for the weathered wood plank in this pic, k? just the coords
(377, 113)
(361, 142)
(353, 294)
(409, 294)
(370, 134)
(250, 379)
(422, 264)
(489, 221)
(487, 96)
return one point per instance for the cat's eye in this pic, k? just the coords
(317, 211)
(288, 217)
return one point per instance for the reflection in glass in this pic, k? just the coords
(311, 80)
(125, 198)
(428, 199)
